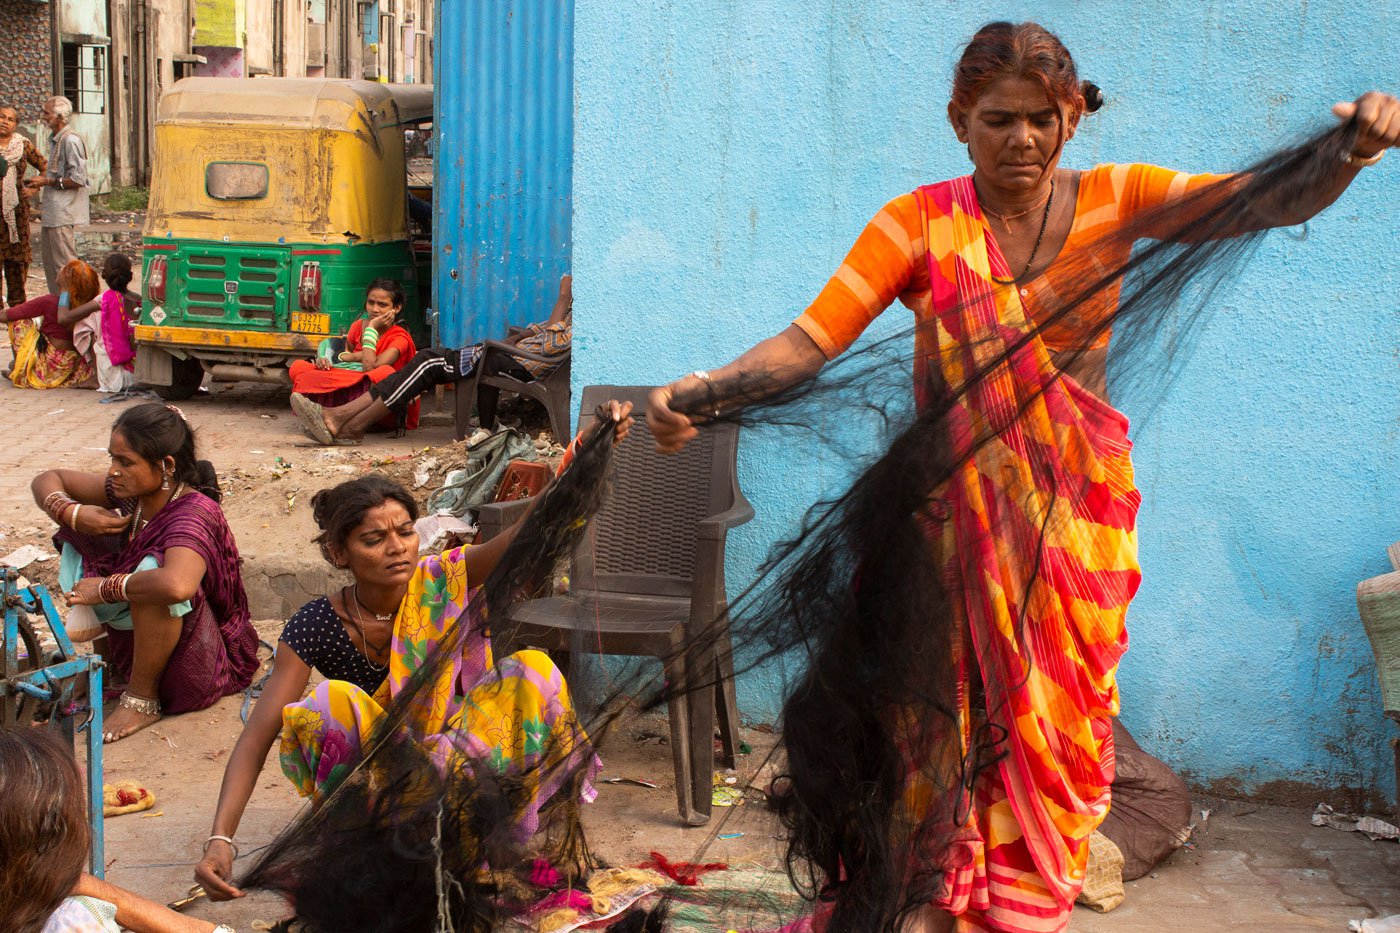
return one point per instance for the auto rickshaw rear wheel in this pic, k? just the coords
(186, 376)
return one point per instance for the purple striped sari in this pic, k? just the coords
(217, 653)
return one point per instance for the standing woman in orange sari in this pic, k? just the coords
(984, 261)
(376, 347)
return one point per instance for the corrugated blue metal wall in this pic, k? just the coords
(503, 194)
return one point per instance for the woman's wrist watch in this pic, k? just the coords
(1360, 161)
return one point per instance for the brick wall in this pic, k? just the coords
(26, 79)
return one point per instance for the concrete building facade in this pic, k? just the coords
(60, 48)
(155, 43)
(114, 58)
(27, 79)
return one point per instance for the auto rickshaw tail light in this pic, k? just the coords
(155, 278)
(309, 287)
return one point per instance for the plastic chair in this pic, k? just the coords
(491, 378)
(1378, 600)
(648, 579)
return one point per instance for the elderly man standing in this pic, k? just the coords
(66, 200)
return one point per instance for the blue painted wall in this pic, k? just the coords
(727, 155)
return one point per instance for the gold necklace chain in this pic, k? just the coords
(136, 516)
(1044, 221)
(1034, 207)
(364, 640)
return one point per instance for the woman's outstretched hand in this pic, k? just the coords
(215, 872)
(671, 429)
(1377, 122)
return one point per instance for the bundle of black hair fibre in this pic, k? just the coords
(856, 599)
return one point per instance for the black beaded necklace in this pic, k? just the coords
(1044, 222)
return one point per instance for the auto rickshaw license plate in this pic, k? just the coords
(311, 322)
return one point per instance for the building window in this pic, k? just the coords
(235, 181)
(85, 77)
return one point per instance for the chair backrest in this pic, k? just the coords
(643, 539)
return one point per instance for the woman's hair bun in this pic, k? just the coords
(1093, 96)
(207, 480)
(321, 505)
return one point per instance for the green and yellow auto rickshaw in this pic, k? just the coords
(274, 202)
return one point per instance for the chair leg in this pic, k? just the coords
(486, 398)
(726, 702)
(702, 732)
(557, 404)
(678, 713)
(463, 393)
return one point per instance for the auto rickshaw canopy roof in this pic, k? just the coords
(312, 159)
(326, 103)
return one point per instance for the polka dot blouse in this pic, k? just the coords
(319, 638)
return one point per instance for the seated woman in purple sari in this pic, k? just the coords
(147, 547)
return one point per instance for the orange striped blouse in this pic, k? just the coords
(888, 260)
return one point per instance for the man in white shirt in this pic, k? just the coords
(66, 194)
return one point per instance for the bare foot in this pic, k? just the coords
(127, 718)
(334, 422)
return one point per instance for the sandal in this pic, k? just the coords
(312, 418)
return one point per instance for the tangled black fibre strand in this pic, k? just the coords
(856, 600)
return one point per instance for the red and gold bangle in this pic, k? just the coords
(56, 504)
(113, 589)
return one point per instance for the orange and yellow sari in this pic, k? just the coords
(1053, 478)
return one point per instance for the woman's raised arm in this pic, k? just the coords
(786, 359)
(1377, 117)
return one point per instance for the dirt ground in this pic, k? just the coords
(1251, 868)
(181, 760)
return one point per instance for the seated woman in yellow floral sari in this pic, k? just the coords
(368, 639)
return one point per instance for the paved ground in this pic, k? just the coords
(1253, 868)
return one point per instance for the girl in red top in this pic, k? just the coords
(337, 382)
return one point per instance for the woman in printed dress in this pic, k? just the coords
(367, 639)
